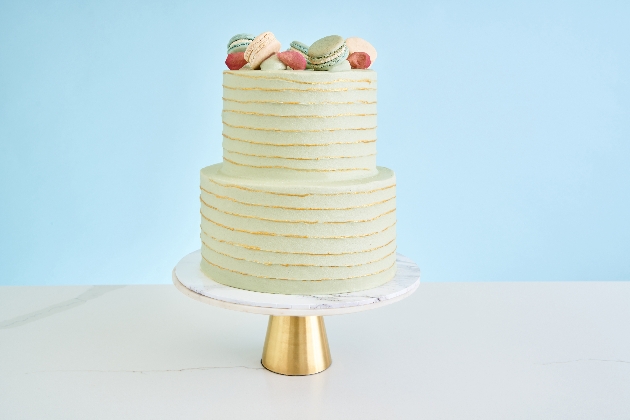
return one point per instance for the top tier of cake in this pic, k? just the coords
(307, 125)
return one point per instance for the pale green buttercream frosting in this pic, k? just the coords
(298, 206)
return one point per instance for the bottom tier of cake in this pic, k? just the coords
(295, 237)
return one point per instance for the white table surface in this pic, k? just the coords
(449, 351)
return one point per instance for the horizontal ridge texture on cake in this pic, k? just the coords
(295, 238)
(302, 124)
(298, 205)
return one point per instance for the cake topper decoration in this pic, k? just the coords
(235, 61)
(293, 59)
(261, 48)
(331, 53)
(359, 60)
(239, 43)
(302, 49)
(356, 44)
(327, 52)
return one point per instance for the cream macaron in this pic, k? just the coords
(261, 48)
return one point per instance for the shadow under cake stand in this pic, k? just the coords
(296, 341)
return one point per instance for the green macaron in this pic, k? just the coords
(302, 49)
(299, 47)
(239, 43)
(327, 52)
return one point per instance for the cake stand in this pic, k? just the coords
(296, 341)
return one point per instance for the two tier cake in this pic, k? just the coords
(298, 205)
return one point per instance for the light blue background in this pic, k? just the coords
(508, 125)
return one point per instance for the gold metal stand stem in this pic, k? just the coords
(296, 345)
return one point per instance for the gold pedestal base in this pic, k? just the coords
(296, 345)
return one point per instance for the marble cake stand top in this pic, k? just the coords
(189, 279)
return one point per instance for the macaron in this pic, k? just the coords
(293, 59)
(239, 43)
(359, 60)
(235, 61)
(299, 47)
(261, 48)
(327, 52)
(302, 49)
(356, 44)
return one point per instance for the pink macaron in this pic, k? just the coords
(359, 60)
(261, 48)
(235, 61)
(293, 59)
